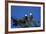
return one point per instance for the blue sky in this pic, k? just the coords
(20, 11)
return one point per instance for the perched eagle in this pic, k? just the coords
(22, 21)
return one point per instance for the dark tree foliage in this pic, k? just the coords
(14, 21)
(22, 22)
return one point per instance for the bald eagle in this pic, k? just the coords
(22, 21)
